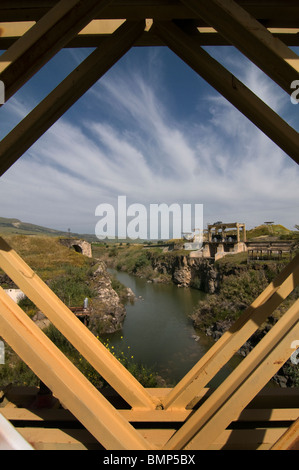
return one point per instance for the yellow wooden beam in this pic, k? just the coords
(241, 386)
(26, 133)
(44, 39)
(74, 391)
(92, 34)
(74, 330)
(188, 49)
(231, 341)
(251, 38)
(94, 27)
(158, 416)
(289, 439)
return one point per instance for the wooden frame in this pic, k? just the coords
(184, 26)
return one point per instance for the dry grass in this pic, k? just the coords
(45, 255)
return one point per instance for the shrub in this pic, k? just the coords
(72, 287)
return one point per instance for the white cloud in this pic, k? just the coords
(138, 149)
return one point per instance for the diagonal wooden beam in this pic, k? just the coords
(74, 330)
(230, 87)
(241, 386)
(41, 42)
(290, 439)
(67, 383)
(33, 126)
(232, 340)
(254, 40)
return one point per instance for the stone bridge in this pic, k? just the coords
(80, 246)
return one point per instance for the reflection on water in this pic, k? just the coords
(158, 330)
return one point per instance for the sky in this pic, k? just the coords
(154, 131)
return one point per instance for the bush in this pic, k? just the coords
(72, 287)
(237, 292)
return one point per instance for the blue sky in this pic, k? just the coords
(152, 130)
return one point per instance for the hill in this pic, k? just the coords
(267, 231)
(10, 226)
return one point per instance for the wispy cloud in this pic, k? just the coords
(130, 143)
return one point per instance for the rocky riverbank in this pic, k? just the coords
(231, 286)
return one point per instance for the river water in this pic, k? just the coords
(157, 330)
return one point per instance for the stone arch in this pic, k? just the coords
(78, 248)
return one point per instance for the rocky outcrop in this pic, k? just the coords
(188, 272)
(107, 313)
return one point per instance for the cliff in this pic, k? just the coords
(187, 272)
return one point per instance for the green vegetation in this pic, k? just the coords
(46, 256)
(268, 231)
(217, 312)
(16, 372)
(133, 259)
(73, 286)
(237, 291)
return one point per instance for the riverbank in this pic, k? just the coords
(231, 285)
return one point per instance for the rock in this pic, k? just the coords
(41, 320)
(281, 380)
(107, 313)
(130, 293)
(182, 276)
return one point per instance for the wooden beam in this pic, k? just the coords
(71, 387)
(241, 386)
(43, 40)
(251, 38)
(93, 33)
(270, 12)
(230, 87)
(33, 126)
(157, 416)
(73, 329)
(289, 439)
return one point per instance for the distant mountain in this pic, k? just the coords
(17, 227)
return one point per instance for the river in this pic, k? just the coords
(158, 331)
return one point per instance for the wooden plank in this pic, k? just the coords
(43, 40)
(92, 34)
(267, 11)
(70, 439)
(69, 385)
(80, 439)
(289, 440)
(157, 416)
(73, 329)
(258, 112)
(231, 341)
(59, 439)
(242, 30)
(247, 439)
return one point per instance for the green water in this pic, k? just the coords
(158, 331)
